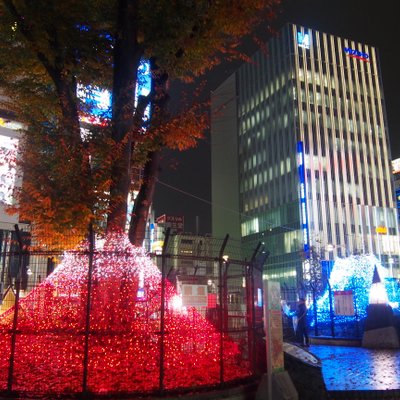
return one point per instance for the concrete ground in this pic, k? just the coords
(358, 368)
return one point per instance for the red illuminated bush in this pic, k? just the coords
(124, 339)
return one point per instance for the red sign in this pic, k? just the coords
(174, 222)
(212, 300)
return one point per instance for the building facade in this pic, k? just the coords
(396, 177)
(300, 153)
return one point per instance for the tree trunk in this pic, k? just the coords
(127, 54)
(140, 212)
(144, 199)
(66, 89)
(72, 148)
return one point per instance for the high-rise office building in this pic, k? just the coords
(300, 153)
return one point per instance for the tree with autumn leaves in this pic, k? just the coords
(76, 173)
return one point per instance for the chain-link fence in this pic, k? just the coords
(112, 319)
(322, 318)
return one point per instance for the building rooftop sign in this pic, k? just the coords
(303, 40)
(356, 54)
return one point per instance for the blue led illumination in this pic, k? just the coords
(303, 196)
(259, 298)
(355, 273)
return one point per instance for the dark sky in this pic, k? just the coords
(185, 187)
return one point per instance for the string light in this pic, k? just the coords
(124, 341)
(355, 273)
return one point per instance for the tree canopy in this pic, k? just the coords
(76, 172)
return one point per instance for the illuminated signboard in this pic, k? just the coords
(174, 222)
(303, 195)
(396, 165)
(97, 102)
(259, 297)
(381, 230)
(398, 201)
(356, 54)
(303, 40)
(344, 302)
(194, 296)
(8, 172)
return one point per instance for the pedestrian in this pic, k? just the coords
(302, 328)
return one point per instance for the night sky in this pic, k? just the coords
(185, 187)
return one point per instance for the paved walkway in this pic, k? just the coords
(356, 368)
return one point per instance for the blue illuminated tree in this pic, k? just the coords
(356, 273)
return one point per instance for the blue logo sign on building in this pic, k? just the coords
(303, 40)
(356, 54)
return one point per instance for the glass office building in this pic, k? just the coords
(300, 153)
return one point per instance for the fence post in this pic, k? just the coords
(88, 307)
(3, 252)
(162, 316)
(315, 311)
(221, 307)
(251, 308)
(331, 314)
(16, 309)
(356, 310)
(250, 315)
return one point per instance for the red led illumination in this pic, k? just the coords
(124, 339)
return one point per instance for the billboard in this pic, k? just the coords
(96, 102)
(8, 153)
(344, 303)
(195, 296)
(176, 223)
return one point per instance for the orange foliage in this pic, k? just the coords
(183, 131)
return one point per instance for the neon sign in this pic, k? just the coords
(356, 54)
(303, 40)
(303, 196)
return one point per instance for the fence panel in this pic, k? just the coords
(321, 317)
(199, 327)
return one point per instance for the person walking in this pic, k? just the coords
(302, 328)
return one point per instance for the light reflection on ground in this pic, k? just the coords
(357, 368)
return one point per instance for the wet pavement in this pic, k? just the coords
(357, 368)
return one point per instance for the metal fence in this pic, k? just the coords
(117, 320)
(321, 317)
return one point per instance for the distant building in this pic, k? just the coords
(9, 180)
(9, 138)
(300, 153)
(193, 266)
